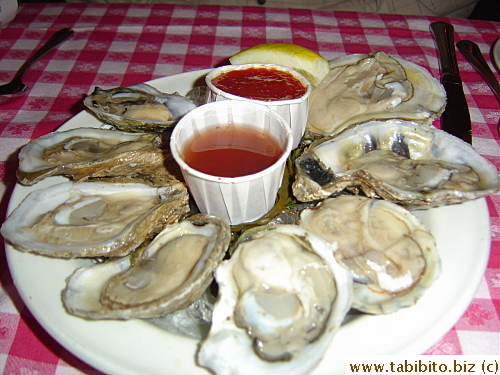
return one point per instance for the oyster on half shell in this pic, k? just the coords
(416, 165)
(167, 274)
(138, 108)
(281, 298)
(91, 219)
(373, 86)
(85, 153)
(391, 255)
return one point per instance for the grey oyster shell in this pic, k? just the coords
(88, 153)
(410, 163)
(138, 108)
(93, 219)
(166, 275)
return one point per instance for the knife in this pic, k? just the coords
(455, 118)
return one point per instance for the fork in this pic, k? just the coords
(16, 87)
(473, 54)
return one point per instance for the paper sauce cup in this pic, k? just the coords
(294, 111)
(236, 199)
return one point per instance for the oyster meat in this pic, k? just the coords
(138, 108)
(373, 86)
(91, 219)
(392, 256)
(166, 275)
(416, 165)
(85, 153)
(281, 298)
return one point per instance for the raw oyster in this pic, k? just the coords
(91, 219)
(167, 275)
(138, 108)
(390, 253)
(409, 163)
(374, 86)
(86, 153)
(281, 298)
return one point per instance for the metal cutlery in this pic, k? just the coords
(16, 88)
(455, 118)
(473, 54)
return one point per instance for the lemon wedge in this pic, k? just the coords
(307, 62)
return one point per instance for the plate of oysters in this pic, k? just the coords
(379, 218)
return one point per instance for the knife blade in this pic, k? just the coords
(456, 117)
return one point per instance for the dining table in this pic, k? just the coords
(122, 44)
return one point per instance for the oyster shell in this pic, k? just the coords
(138, 108)
(281, 298)
(375, 86)
(405, 162)
(91, 219)
(391, 254)
(86, 153)
(168, 274)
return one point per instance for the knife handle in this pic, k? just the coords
(443, 34)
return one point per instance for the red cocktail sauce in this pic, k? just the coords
(266, 84)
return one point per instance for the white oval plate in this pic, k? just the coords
(139, 347)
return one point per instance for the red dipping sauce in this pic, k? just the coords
(232, 151)
(261, 83)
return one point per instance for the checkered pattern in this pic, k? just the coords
(122, 44)
(450, 8)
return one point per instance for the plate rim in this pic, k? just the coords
(495, 54)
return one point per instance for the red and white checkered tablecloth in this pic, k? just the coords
(122, 44)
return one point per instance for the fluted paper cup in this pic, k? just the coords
(294, 111)
(236, 199)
